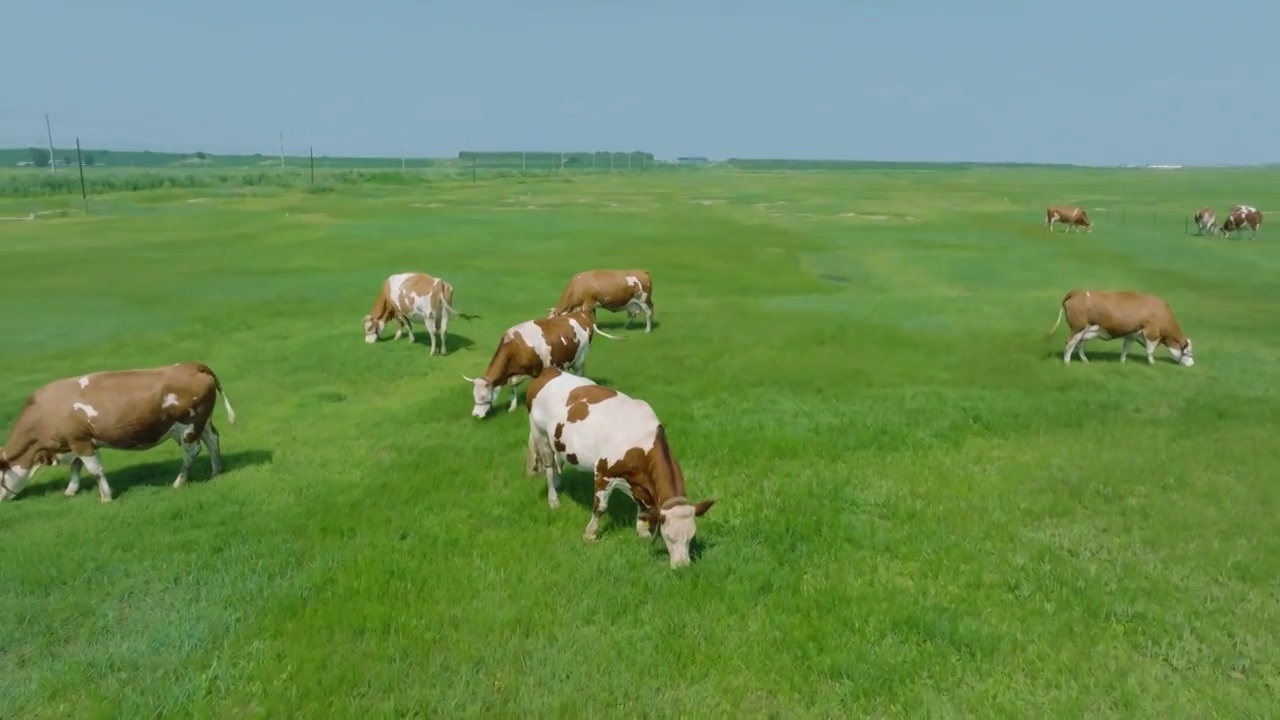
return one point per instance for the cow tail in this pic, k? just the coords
(449, 309)
(1062, 309)
(226, 401)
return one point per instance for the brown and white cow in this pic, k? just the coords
(1206, 221)
(528, 348)
(620, 440)
(409, 294)
(71, 418)
(1242, 216)
(1072, 216)
(1125, 314)
(613, 290)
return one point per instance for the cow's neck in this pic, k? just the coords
(18, 458)
(499, 370)
(664, 473)
(382, 309)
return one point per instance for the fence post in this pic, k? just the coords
(80, 162)
(312, 152)
(473, 168)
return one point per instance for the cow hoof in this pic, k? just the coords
(588, 538)
(105, 498)
(69, 493)
(553, 504)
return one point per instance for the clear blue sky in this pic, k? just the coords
(1093, 82)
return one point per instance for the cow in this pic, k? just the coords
(1242, 216)
(528, 348)
(71, 418)
(1206, 221)
(1072, 216)
(623, 443)
(408, 294)
(613, 290)
(1125, 314)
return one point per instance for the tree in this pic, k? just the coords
(88, 158)
(201, 156)
(39, 156)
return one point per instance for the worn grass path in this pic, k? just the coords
(922, 512)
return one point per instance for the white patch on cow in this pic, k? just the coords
(84, 381)
(584, 344)
(170, 400)
(533, 337)
(87, 409)
(395, 287)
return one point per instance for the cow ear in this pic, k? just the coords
(701, 508)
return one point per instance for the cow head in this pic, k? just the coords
(1182, 353)
(482, 392)
(12, 479)
(373, 328)
(675, 520)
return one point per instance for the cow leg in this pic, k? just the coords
(603, 488)
(73, 485)
(1072, 343)
(213, 441)
(186, 437)
(1090, 332)
(515, 396)
(648, 315)
(1151, 349)
(405, 324)
(89, 456)
(1124, 347)
(542, 457)
(430, 322)
(443, 330)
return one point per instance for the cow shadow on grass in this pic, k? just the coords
(1138, 356)
(453, 341)
(619, 515)
(613, 324)
(157, 473)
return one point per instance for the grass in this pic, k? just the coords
(922, 512)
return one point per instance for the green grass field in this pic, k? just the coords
(922, 512)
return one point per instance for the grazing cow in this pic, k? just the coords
(525, 350)
(1206, 221)
(1072, 216)
(1130, 315)
(612, 290)
(621, 441)
(69, 419)
(409, 294)
(1242, 216)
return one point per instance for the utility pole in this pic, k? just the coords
(53, 165)
(281, 149)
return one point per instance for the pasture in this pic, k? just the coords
(921, 511)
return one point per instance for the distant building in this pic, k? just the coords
(692, 161)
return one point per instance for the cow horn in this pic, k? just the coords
(470, 380)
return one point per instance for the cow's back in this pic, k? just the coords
(130, 408)
(1118, 312)
(612, 429)
(589, 429)
(615, 288)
